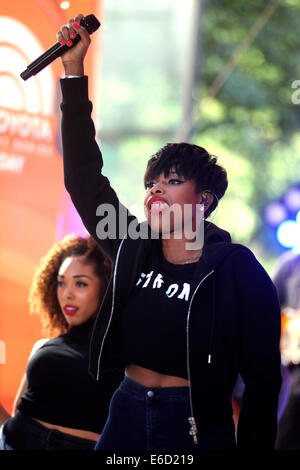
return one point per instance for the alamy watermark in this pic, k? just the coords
(296, 95)
(177, 222)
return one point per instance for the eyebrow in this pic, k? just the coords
(180, 175)
(77, 275)
(170, 173)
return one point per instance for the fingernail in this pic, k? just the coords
(69, 43)
(76, 25)
(72, 35)
(62, 43)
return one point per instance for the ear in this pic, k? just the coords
(207, 200)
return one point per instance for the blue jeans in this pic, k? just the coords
(143, 418)
(3, 443)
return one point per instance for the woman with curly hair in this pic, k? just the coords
(59, 406)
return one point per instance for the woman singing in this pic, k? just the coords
(182, 316)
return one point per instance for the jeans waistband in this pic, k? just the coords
(161, 393)
(23, 432)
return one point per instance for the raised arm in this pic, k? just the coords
(105, 218)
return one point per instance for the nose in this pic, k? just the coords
(68, 293)
(156, 189)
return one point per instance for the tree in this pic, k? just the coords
(252, 118)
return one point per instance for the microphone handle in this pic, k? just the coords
(90, 22)
(45, 59)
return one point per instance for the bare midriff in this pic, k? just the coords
(92, 436)
(149, 378)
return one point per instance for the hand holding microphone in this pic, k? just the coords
(73, 58)
(73, 44)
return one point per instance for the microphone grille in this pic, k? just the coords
(90, 23)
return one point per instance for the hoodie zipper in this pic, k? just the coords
(112, 307)
(191, 419)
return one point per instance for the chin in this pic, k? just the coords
(72, 321)
(155, 227)
(161, 224)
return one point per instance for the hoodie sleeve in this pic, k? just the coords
(259, 353)
(105, 218)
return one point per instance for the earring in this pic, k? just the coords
(205, 201)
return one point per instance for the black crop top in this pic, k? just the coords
(60, 389)
(153, 326)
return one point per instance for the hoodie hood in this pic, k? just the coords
(217, 246)
(213, 234)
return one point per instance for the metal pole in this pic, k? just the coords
(191, 72)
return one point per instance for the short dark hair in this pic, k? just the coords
(193, 163)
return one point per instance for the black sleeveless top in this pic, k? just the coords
(60, 389)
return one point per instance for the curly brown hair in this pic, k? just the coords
(43, 291)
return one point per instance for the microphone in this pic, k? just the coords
(89, 22)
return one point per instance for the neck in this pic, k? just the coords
(176, 252)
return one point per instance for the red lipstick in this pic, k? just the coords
(70, 310)
(155, 199)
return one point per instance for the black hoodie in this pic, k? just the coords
(233, 323)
